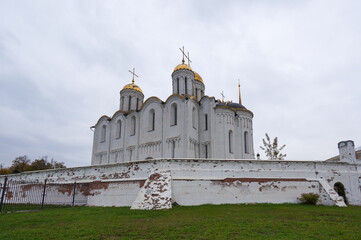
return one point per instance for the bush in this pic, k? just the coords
(309, 198)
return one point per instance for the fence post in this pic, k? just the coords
(42, 201)
(74, 194)
(3, 194)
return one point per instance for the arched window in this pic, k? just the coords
(194, 118)
(173, 114)
(178, 85)
(122, 104)
(129, 103)
(103, 133)
(185, 86)
(246, 142)
(137, 104)
(119, 129)
(205, 121)
(132, 126)
(230, 141)
(151, 120)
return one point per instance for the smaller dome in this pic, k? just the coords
(231, 105)
(235, 105)
(197, 77)
(182, 66)
(132, 86)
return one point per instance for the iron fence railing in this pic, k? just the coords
(31, 195)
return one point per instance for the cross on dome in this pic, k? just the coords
(133, 73)
(222, 94)
(189, 60)
(184, 55)
(239, 90)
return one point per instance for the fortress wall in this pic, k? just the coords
(201, 181)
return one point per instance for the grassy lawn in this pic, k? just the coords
(260, 221)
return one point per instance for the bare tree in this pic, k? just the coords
(271, 149)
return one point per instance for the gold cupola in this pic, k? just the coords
(182, 66)
(197, 77)
(132, 86)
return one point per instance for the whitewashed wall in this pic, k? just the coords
(200, 181)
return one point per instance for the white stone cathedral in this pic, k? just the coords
(189, 124)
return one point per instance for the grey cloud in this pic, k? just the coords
(63, 63)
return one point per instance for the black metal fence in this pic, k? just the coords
(27, 195)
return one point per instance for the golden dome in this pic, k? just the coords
(182, 66)
(132, 86)
(197, 77)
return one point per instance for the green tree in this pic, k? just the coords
(41, 164)
(273, 152)
(23, 164)
(56, 164)
(20, 164)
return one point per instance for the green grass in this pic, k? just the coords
(260, 221)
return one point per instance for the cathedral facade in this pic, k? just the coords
(189, 124)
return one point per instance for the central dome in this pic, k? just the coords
(132, 86)
(182, 66)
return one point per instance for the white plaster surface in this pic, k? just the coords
(156, 192)
(201, 181)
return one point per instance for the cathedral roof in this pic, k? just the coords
(233, 106)
(197, 77)
(132, 86)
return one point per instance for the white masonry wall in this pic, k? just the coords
(202, 181)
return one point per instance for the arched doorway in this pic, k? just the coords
(340, 189)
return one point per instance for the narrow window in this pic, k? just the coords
(206, 122)
(137, 104)
(119, 129)
(246, 142)
(103, 133)
(230, 136)
(130, 154)
(173, 114)
(185, 86)
(206, 150)
(178, 85)
(132, 132)
(129, 103)
(194, 120)
(196, 93)
(173, 149)
(122, 104)
(151, 120)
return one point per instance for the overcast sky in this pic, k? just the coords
(63, 63)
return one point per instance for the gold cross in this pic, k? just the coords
(184, 55)
(189, 60)
(222, 96)
(182, 50)
(133, 73)
(239, 92)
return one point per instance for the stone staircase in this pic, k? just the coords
(156, 192)
(332, 193)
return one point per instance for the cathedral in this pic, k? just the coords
(188, 124)
(190, 149)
